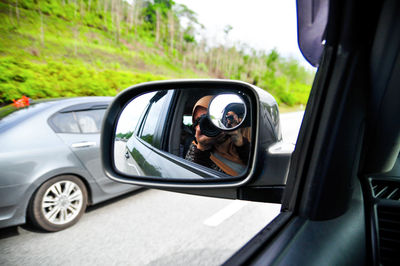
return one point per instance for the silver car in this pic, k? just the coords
(50, 167)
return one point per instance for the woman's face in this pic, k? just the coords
(232, 119)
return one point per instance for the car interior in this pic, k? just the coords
(381, 164)
(382, 193)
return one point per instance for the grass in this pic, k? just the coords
(70, 59)
(59, 52)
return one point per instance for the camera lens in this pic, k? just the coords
(207, 128)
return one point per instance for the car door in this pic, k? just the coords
(79, 128)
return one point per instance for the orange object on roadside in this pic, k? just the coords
(24, 101)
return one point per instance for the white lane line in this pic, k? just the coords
(225, 213)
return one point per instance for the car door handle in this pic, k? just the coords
(85, 144)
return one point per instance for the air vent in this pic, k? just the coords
(386, 189)
(389, 235)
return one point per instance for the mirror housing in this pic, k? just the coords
(267, 168)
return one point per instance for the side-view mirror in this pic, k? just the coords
(206, 137)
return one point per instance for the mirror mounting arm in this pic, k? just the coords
(271, 194)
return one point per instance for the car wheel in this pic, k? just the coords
(58, 203)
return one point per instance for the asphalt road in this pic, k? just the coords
(149, 227)
(291, 123)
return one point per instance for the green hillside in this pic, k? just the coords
(56, 48)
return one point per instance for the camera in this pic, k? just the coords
(206, 127)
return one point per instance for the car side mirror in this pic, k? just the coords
(196, 136)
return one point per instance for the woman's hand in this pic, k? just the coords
(236, 137)
(203, 142)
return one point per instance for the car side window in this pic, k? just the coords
(64, 123)
(151, 122)
(187, 120)
(85, 122)
(90, 121)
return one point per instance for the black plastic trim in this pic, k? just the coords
(272, 194)
(85, 107)
(248, 252)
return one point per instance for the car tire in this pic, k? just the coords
(59, 203)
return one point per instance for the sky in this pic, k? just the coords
(261, 24)
(132, 112)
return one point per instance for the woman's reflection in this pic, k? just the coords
(234, 113)
(227, 152)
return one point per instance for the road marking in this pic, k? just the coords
(225, 213)
(83, 144)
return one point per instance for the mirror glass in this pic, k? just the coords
(227, 111)
(167, 134)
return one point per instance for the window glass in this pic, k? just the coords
(151, 122)
(187, 120)
(132, 115)
(90, 121)
(65, 123)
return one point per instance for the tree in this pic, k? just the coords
(171, 23)
(158, 24)
(17, 11)
(117, 11)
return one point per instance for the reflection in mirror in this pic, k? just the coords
(168, 135)
(227, 111)
(127, 123)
